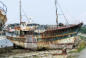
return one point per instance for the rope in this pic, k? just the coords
(63, 14)
(4, 7)
(25, 14)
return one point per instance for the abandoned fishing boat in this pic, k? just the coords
(36, 36)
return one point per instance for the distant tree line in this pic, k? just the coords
(83, 29)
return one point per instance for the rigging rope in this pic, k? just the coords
(63, 14)
(56, 2)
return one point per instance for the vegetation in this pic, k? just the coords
(83, 29)
(81, 46)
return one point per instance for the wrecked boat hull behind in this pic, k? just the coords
(50, 39)
(58, 44)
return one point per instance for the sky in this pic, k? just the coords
(43, 11)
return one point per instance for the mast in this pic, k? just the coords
(56, 12)
(20, 12)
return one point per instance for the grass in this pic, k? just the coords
(81, 45)
(82, 37)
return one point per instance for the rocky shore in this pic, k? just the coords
(22, 53)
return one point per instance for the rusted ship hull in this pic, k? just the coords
(50, 39)
(58, 44)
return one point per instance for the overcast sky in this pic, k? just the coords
(43, 11)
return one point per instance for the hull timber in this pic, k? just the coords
(3, 11)
(58, 44)
(3, 18)
(62, 37)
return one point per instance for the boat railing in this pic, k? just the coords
(3, 7)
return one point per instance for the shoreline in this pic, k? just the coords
(28, 53)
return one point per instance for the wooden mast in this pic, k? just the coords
(20, 15)
(56, 12)
(20, 12)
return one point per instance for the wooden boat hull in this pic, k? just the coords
(58, 44)
(3, 12)
(3, 18)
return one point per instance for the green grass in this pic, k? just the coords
(81, 46)
(82, 37)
